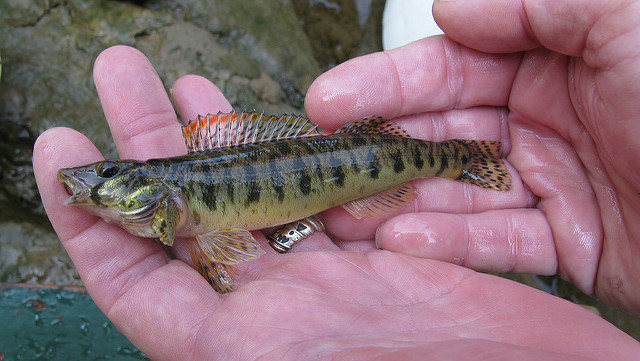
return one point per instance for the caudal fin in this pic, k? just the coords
(487, 167)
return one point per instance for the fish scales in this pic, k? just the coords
(247, 171)
(251, 185)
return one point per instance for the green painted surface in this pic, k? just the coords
(50, 323)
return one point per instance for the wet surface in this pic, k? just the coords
(54, 323)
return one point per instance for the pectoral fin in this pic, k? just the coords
(229, 245)
(166, 220)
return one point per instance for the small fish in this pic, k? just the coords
(247, 171)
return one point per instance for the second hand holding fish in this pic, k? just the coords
(247, 171)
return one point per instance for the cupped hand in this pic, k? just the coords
(558, 82)
(316, 302)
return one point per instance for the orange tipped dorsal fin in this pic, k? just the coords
(231, 129)
(373, 125)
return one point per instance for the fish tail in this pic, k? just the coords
(220, 276)
(487, 169)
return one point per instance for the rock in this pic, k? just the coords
(267, 89)
(341, 29)
(268, 32)
(48, 49)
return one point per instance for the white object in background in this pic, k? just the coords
(404, 21)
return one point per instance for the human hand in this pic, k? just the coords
(315, 302)
(565, 104)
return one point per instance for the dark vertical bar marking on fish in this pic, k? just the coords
(430, 157)
(251, 185)
(304, 183)
(398, 163)
(444, 163)
(253, 192)
(338, 174)
(230, 191)
(319, 174)
(209, 191)
(418, 162)
(374, 165)
(277, 182)
(432, 161)
(456, 151)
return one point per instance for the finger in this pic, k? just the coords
(549, 165)
(195, 95)
(108, 259)
(509, 26)
(558, 160)
(124, 274)
(61, 148)
(135, 103)
(494, 241)
(429, 75)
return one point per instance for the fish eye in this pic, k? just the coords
(107, 169)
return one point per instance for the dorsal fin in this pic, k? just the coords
(230, 129)
(373, 125)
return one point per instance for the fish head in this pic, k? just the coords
(121, 192)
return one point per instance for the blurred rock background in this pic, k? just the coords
(262, 54)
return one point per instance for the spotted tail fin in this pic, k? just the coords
(487, 168)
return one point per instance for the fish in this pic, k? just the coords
(247, 171)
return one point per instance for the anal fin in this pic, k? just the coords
(382, 204)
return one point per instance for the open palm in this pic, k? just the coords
(568, 117)
(329, 299)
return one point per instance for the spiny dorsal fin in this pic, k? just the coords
(230, 129)
(382, 204)
(373, 125)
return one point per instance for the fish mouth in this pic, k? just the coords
(74, 186)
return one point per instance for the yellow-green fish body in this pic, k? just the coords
(245, 171)
(254, 186)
